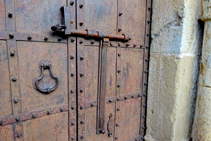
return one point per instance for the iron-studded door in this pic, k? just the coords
(86, 80)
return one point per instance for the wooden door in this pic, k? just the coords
(61, 85)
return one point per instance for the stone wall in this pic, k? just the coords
(173, 72)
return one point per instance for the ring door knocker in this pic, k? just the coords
(43, 66)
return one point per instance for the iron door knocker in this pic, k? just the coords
(43, 66)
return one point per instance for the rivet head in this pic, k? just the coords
(139, 95)
(61, 109)
(144, 116)
(102, 131)
(29, 37)
(17, 118)
(92, 42)
(110, 100)
(120, 14)
(132, 96)
(145, 71)
(81, 42)
(19, 135)
(145, 83)
(33, 115)
(72, 40)
(72, 107)
(149, 8)
(118, 99)
(81, 23)
(81, 58)
(119, 54)
(81, 5)
(72, 91)
(125, 97)
(11, 36)
(81, 107)
(14, 79)
(71, 57)
(91, 104)
(10, 15)
(111, 44)
(72, 74)
(127, 45)
(119, 29)
(141, 46)
(146, 60)
(118, 109)
(143, 127)
(118, 71)
(118, 86)
(116, 138)
(82, 136)
(81, 91)
(145, 94)
(71, 3)
(48, 112)
(1, 122)
(147, 47)
(117, 124)
(82, 122)
(119, 44)
(72, 123)
(45, 39)
(134, 45)
(12, 53)
(81, 74)
(144, 105)
(72, 138)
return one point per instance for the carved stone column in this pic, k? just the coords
(202, 121)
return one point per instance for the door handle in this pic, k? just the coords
(108, 125)
(46, 65)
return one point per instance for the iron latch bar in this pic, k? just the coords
(65, 28)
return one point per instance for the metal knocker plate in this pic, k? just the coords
(46, 65)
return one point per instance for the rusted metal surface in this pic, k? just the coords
(72, 110)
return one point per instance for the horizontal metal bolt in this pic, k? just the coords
(72, 91)
(72, 2)
(81, 74)
(116, 138)
(125, 97)
(48, 112)
(117, 124)
(72, 74)
(118, 71)
(11, 36)
(149, 8)
(14, 79)
(10, 15)
(139, 95)
(91, 104)
(72, 123)
(144, 105)
(134, 45)
(72, 107)
(120, 14)
(81, 58)
(110, 100)
(19, 135)
(81, 91)
(82, 122)
(145, 83)
(12, 53)
(148, 34)
(145, 71)
(119, 29)
(81, 107)
(148, 22)
(33, 115)
(45, 39)
(143, 127)
(144, 116)
(61, 109)
(146, 60)
(141, 46)
(119, 54)
(71, 57)
(111, 44)
(145, 94)
(29, 37)
(81, 5)
(147, 47)
(118, 109)
(102, 131)
(72, 138)
(118, 99)
(17, 118)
